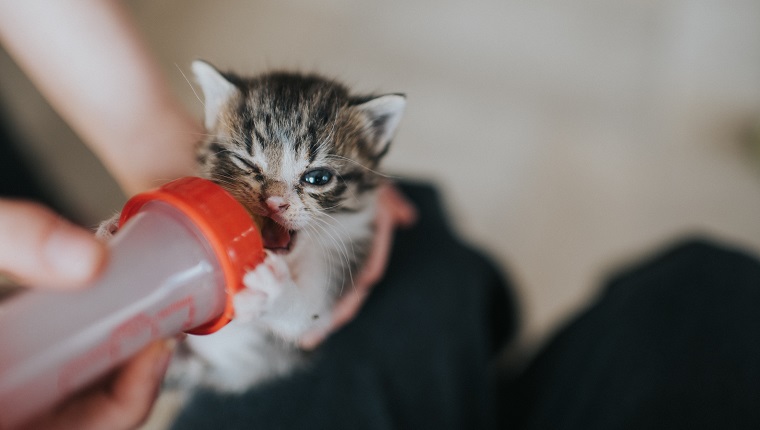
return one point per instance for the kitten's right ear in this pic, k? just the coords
(217, 90)
(383, 114)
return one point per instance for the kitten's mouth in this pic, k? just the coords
(276, 238)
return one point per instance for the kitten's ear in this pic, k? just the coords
(383, 114)
(217, 90)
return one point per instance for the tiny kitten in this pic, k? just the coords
(303, 152)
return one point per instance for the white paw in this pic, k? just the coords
(264, 285)
(108, 228)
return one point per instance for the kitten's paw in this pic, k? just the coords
(264, 285)
(108, 228)
(269, 276)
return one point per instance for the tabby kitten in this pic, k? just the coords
(302, 152)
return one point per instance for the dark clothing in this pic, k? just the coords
(671, 344)
(18, 179)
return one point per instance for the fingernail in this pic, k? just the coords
(73, 254)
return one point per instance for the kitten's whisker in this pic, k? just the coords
(337, 223)
(328, 255)
(362, 166)
(337, 236)
(356, 199)
(347, 235)
(222, 151)
(341, 247)
(183, 132)
(321, 210)
(335, 227)
(338, 228)
(199, 133)
(191, 85)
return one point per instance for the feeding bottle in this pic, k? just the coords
(177, 259)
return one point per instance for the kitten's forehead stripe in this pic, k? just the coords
(244, 114)
(259, 136)
(313, 141)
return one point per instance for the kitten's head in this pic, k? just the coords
(292, 147)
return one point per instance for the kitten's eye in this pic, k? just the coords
(317, 177)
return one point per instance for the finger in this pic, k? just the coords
(312, 339)
(122, 402)
(136, 388)
(377, 259)
(147, 367)
(42, 249)
(402, 210)
(393, 210)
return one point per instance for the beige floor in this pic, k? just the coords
(568, 137)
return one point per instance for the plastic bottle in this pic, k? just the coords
(178, 257)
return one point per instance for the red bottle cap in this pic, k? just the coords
(225, 224)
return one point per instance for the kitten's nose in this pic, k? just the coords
(277, 204)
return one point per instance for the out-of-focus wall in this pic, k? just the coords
(567, 136)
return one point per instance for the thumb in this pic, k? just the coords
(39, 248)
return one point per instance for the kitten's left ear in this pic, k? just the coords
(217, 90)
(383, 114)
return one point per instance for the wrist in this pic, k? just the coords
(159, 147)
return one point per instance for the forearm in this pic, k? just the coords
(89, 62)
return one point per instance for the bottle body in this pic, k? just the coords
(162, 278)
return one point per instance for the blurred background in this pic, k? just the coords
(567, 138)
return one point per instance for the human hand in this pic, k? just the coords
(39, 248)
(393, 211)
(121, 401)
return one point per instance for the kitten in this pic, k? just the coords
(303, 152)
